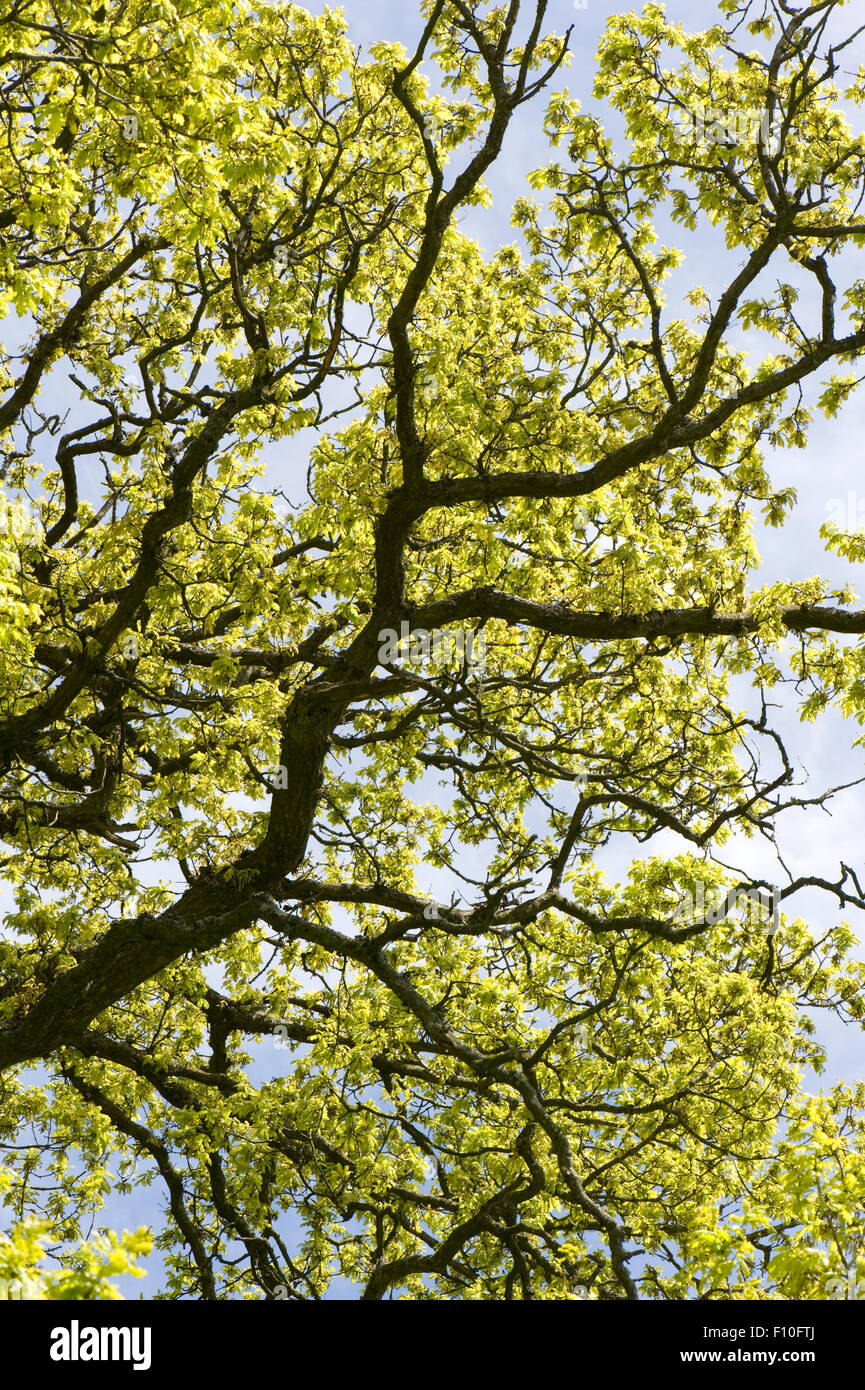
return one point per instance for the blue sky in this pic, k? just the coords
(811, 840)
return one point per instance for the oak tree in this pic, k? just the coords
(361, 587)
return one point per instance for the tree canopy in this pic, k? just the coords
(360, 587)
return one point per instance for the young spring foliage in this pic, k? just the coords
(319, 945)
